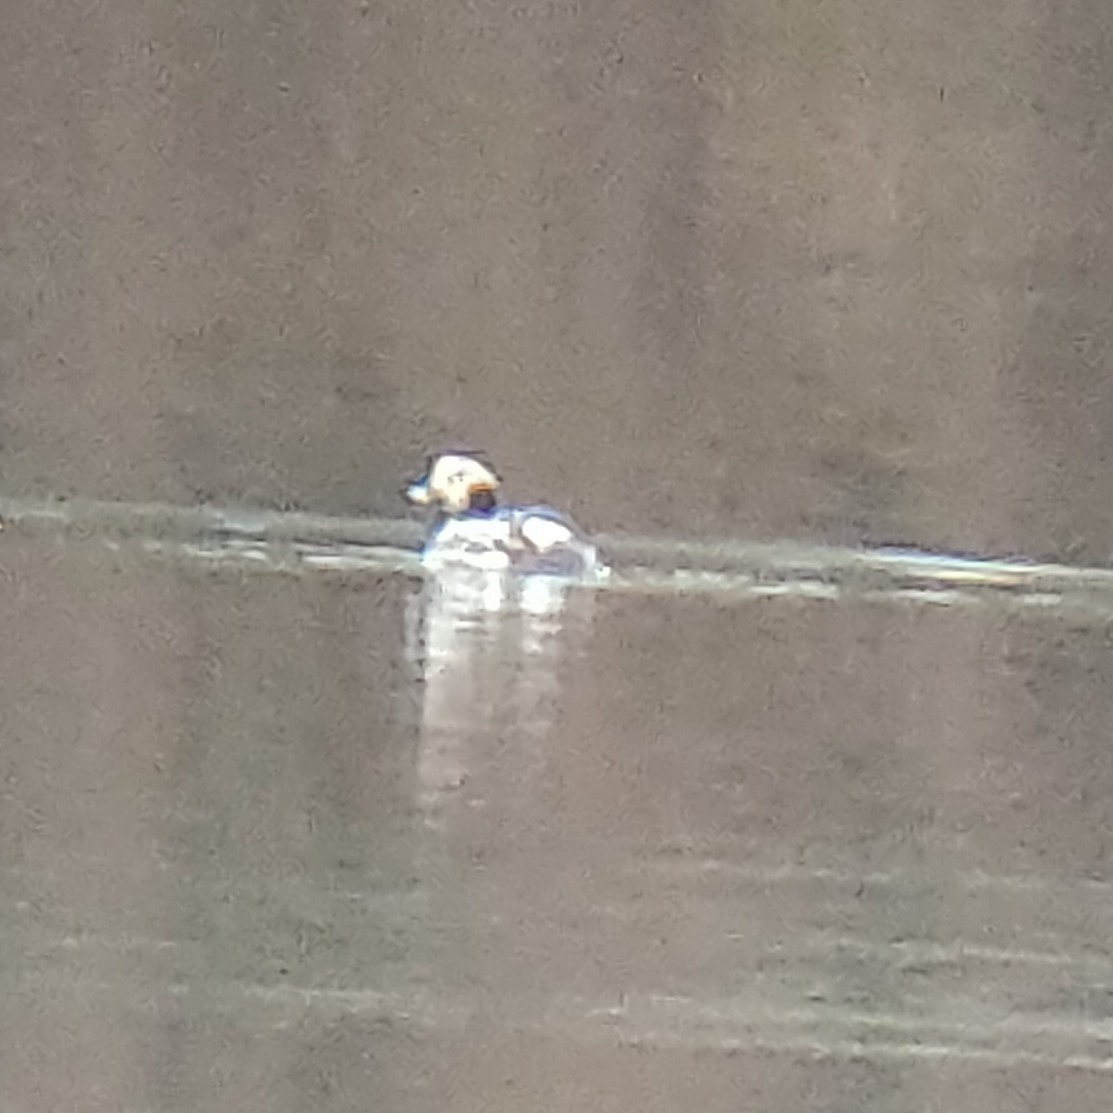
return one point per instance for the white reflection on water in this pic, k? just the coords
(488, 648)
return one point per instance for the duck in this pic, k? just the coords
(472, 529)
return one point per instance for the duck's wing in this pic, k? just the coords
(545, 533)
(548, 514)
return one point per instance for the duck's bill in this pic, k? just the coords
(417, 494)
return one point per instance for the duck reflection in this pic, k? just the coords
(507, 597)
(488, 650)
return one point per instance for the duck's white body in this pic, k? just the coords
(473, 532)
(533, 540)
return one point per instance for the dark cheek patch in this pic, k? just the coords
(481, 501)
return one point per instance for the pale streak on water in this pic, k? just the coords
(724, 567)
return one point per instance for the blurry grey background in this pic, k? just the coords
(836, 270)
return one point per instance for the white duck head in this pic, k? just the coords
(455, 484)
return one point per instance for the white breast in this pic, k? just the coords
(481, 543)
